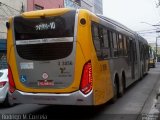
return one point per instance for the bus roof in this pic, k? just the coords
(46, 12)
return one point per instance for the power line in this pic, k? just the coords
(9, 7)
(10, 11)
(3, 18)
(4, 11)
(149, 31)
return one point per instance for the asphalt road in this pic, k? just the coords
(136, 102)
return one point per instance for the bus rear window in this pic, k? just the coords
(47, 27)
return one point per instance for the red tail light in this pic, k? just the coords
(11, 81)
(2, 84)
(86, 80)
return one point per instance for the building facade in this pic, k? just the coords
(98, 7)
(72, 4)
(91, 5)
(87, 4)
(44, 4)
(8, 8)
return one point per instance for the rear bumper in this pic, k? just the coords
(75, 98)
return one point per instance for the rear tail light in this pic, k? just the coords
(86, 80)
(2, 84)
(11, 81)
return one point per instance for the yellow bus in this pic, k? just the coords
(71, 57)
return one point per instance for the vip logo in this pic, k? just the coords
(62, 70)
(44, 75)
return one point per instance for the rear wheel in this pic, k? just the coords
(122, 86)
(115, 92)
(7, 102)
(154, 66)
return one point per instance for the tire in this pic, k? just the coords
(7, 102)
(154, 66)
(115, 92)
(122, 87)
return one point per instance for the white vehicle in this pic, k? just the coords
(4, 87)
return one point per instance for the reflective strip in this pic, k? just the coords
(46, 40)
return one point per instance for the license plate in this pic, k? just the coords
(45, 83)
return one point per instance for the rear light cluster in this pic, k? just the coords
(87, 79)
(11, 81)
(2, 84)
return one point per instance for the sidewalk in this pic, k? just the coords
(153, 112)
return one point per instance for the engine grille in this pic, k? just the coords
(47, 51)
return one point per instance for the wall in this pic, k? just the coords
(9, 8)
(87, 4)
(98, 8)
(47, 4)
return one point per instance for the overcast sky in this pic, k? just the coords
(132, 13)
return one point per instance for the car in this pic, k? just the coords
(4, 87)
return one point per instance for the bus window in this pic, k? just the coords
(106, 50)
(105, 38)
(120, 42)
(141, 47)
(110, 38)
(115, 46)
(135, 51)
(127, 43)
(96, 40)
(100, 39)
(125, 46)
(37, 28)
